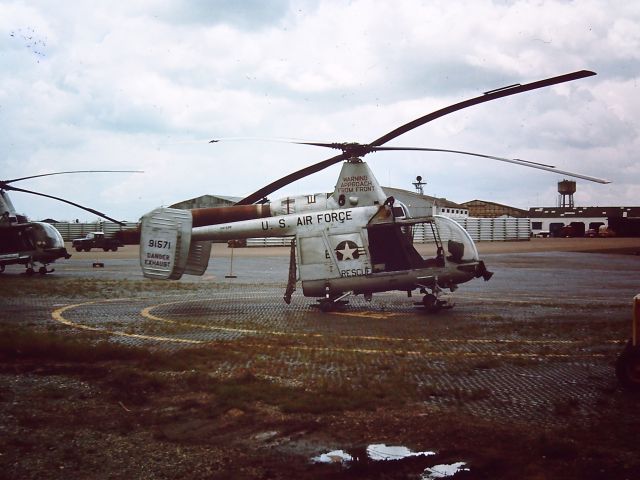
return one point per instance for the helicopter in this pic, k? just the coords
(27, 243)
(353, 241)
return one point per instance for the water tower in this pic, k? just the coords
(566, 189)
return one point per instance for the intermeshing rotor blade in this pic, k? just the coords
(426, 149)
(363, 149)
(96, 212)
(292, 177)
(492, 95)
(4, 182)
(517, 161)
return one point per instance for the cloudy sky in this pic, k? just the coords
(144, 85)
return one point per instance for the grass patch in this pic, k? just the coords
(246, 389)
(134, 386)
(94, 287)
(23, 344)
(139, 375)
(29, 344)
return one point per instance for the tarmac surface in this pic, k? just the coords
(540, 337)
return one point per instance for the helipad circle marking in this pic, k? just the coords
(431, 354)
(57, 315)
(146, 312)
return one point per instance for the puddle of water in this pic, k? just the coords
(382, 452)
(375, 452)
(335, 456)
(443, 471)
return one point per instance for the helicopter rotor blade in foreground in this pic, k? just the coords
(355, 149)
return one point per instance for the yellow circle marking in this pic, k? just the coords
(369, 314)
(57, 315)
(430, 354)
(146, 313)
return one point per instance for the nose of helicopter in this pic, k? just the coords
(483, 272)
(45, 236)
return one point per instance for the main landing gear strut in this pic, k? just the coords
(434, 299)
(329, 303)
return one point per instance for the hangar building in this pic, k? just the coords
(625, 221)
(484, 209)
(424, 205)
(206, 201)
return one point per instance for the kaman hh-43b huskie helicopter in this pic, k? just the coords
(29, 243)
(355, 240)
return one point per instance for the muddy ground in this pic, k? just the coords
(107, 375)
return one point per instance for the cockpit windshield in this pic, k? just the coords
(456, 241)
(50, 237)
(392, 248)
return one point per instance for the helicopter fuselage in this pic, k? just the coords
(360, 250)
(353, 241)
(29, 243)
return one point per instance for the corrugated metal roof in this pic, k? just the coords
(484, 204)
(206, 200)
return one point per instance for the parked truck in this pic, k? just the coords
(96, 240)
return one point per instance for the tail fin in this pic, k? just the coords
(198, 260)
(357, 186)
(165, 238)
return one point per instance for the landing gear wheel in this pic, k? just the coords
(325, 305)
(30, 271)
(431, 303)
(330, 304)
(42, 270)
(628, 368)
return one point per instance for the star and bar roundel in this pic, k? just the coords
(348, 250)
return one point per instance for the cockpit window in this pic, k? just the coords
(391, 245)
(51, 237)
(398, 212)
(459, 245)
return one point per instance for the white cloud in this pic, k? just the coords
(144, 85)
